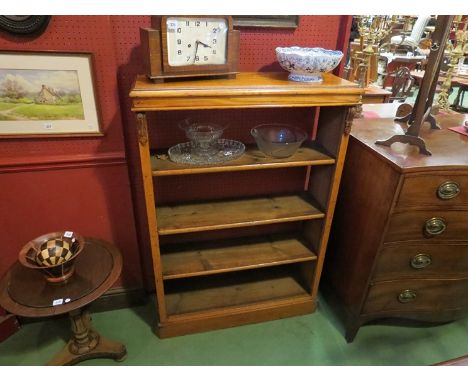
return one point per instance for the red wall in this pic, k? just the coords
(83, 184)
(79, 184)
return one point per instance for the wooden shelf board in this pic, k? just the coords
(310, 154)
(234, 290)
(233, 255)
(196, 217)
(255, 89)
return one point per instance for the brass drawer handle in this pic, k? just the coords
(420, 261)
(406, 296)
(448, 190)
(435, 226)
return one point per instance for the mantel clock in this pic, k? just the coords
(190, 46)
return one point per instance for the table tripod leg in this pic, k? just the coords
(416, 141)
(86, 343)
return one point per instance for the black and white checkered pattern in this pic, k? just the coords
(53, 252)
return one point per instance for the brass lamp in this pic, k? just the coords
(372, 30)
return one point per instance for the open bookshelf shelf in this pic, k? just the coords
(311, 154)
(233, 290)
(195, 259)
(196, 217)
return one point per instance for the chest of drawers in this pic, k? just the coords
(399, 240)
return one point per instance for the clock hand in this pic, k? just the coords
(198, 42)
(205, 45)
(196, 49)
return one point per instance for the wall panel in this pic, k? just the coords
(49, 184)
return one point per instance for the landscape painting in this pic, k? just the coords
(39, 95)
(47, 93)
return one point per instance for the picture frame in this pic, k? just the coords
(46, 94)
(272, 21)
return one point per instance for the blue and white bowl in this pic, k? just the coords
(308, 64)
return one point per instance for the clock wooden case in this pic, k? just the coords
(173, 47)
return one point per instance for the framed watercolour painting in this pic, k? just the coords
(45, 94)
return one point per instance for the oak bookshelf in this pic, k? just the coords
(247, 257)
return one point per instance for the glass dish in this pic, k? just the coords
(278, 140)
(203, 136)
(225, 150)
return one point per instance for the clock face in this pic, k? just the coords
(196, 41)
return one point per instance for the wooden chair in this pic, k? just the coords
(402, 83)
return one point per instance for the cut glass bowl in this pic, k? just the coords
(203, 136)
(225, 150)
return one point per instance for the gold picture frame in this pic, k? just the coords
(274, 21)
(47, 94)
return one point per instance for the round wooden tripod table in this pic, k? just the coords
(25, 292)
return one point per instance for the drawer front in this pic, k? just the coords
(422, 260)
(413, 295)
(427, 225)
(434, 190)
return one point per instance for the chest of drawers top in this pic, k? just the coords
(449, 149)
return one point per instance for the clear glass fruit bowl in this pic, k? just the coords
(278, 140)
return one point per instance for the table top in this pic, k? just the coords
(244, 83)
(456, 80)
(25, 292)
(381, 110)
(449, 149)
(373, 90)
(247, 90)
(389, 110)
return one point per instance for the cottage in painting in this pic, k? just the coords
(47, 95)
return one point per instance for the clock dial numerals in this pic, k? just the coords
(196, 42)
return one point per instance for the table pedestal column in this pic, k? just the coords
(86, 343)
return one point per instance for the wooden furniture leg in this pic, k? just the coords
(86, 343)
(405, 117)
(408, 138)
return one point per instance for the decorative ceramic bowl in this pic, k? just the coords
(53, 254)
(278, 140)
(308, 64)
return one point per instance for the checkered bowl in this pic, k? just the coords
(53, 254)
